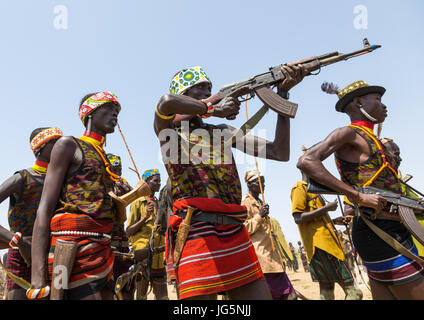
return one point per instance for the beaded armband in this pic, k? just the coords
(209, 111)
(15, 240)
(162, 116)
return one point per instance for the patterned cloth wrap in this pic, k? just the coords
(188, 78)
(23, 210)
(149, 173)
(326, 268)
(17, 265)
(95, 101)
(93, 265)
(215, 258)
(384, 264)
(279, 284)
(43, 137)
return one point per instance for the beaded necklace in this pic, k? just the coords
(97, 141)
(40, 167)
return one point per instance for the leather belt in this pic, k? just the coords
(217, 219)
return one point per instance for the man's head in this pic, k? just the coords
(99, 112)
(394, 151)
(115, 162)
(192, 82)
(152, 178)
(252, 180)
(42, 141)
(360, 101)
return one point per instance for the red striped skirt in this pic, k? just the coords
(215, 258)
(93, 265)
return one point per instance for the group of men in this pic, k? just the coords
(215, 240)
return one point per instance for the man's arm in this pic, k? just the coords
(311, 164)
(140, 209)
(61, 159)
(306, 217)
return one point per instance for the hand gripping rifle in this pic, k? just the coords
(262, 84)
(405, 207)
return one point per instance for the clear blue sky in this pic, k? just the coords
(134, 47)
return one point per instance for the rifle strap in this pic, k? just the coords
(388, 239)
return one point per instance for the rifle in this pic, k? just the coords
(405, 207)
(261, 84)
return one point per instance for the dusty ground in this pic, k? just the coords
(301, 281)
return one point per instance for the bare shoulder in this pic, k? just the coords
(343, 133)
(64, 146)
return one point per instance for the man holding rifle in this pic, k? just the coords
(363, 161)
(218, 255)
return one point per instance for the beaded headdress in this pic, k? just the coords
(95, 101)
(43, 137)
(187, 78)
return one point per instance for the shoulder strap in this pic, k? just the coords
(383, 155)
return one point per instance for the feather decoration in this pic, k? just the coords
(330, 88)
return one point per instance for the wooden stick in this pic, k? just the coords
(136, 171)
(260, 186)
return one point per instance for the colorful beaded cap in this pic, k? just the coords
(149, 173)
(96, 101)
(45, 136)
(187, 78)
(114, 160)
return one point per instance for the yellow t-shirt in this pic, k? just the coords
(319, 233)
(141, 239)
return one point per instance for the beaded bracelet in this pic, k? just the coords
(33, 294)
(210, 109)
(15, 240)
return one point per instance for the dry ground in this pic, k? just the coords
(301, 281)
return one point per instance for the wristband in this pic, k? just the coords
(210, 109)
(33, 294)
(15, 240)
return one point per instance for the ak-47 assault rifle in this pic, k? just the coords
(405, 207)
(262, 84)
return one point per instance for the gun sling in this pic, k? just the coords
(407, 216)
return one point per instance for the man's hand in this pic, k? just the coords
(293, 75)
(121, 188)
(228, 107)
(332, 206)
(264, 211)
(342, 221)
(150, 208)
(373, 201)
